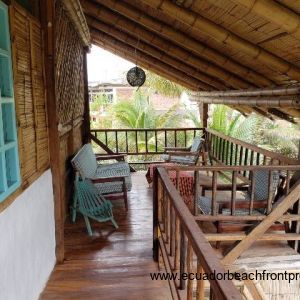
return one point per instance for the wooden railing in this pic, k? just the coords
(145, 142)
(231, 151)
(283, 209)
(183, 246)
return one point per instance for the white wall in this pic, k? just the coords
(27, 242)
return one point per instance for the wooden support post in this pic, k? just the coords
(48, 12)
(203, 110)
(86, 116)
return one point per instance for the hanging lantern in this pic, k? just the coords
(136, 76)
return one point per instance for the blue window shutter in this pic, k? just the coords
(9, 155)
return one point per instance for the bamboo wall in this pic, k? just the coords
(29, 89)
(69, 93)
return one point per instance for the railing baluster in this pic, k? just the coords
(155, 134)
(236, 154)
(231, 154)
(117, 142)
(214, 192)
(175, 137)
(246, 160)
(146, 140)
(257, 159)
(185, 138)
(197, 192)
(136, 143)
(177, 244)
(270, 192)
(288, 178)
(166, 139)
(126, 140)
(233, 193)
(182, 282)
(241, 157)
(200, 283)
(189, 262)
(172, 229)
(106, 139)
(253, 183)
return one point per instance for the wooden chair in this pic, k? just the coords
(91, 204)
(110, 179)
(261, 194)
(185, 156)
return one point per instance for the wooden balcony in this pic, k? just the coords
(113, 264)
(116, 264)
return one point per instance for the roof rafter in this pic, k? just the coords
(244, 73)
(222, 35)
(135, 43)
(275, 13)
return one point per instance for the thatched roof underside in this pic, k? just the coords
(207, 45)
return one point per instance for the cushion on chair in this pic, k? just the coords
(186, 160)
(204, 204)
(85, 162)
(197, 142)
(261, 179)
(120, 169)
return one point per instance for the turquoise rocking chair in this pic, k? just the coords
(91, 204)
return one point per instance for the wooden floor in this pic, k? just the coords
(113, 264)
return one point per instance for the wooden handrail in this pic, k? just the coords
(210, 263)
(267, 153)
(117, 140)
(148, 129)
(234, 168)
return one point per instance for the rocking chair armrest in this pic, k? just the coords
(177, 149)
(182, 153)
(110, 156)
(108, 179)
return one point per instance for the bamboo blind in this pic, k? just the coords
(29, 88)
(69, 85)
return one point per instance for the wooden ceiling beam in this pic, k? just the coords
(135, 43)
(222, 35)
(275, 13)
(292, 101)
(276, 91)
(244, 73)
(137, 56)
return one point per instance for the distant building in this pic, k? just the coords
(123, 92)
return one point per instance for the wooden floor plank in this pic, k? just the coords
(113, 264)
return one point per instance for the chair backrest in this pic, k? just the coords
(261, 180)
(197, 143)
(85, 162)
(89, 198)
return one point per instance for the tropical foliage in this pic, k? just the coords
(163, 86)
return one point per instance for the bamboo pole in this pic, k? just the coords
(76, 15)
(274, 12)
(122, 23)
(221, 35)
(121, 50)
(129, 40)
(252, 101)
(185, 41)
(276, 91)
